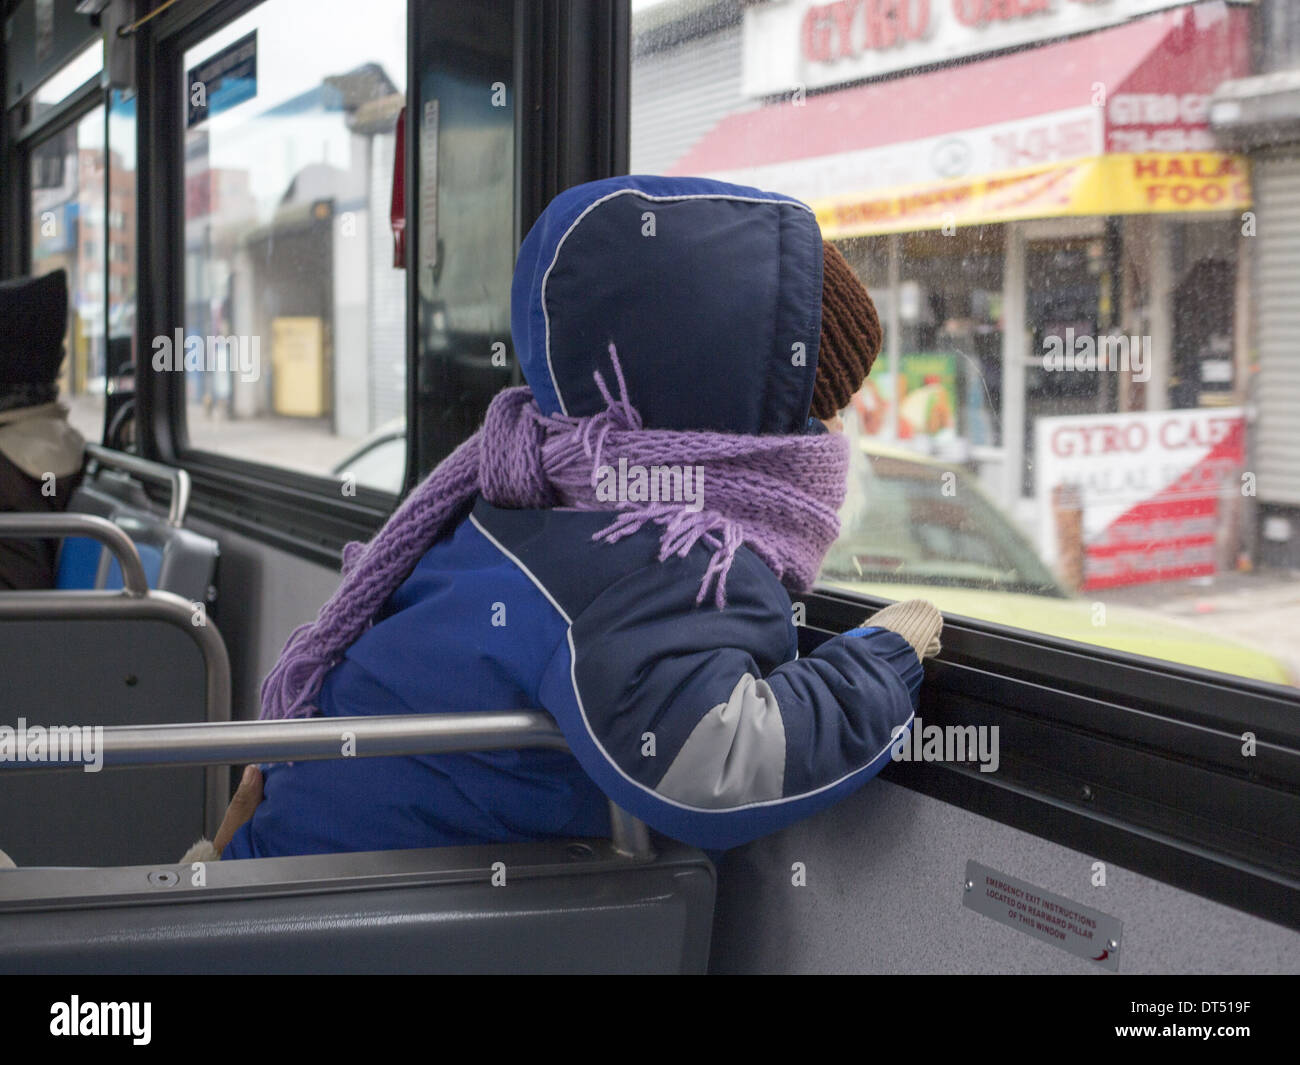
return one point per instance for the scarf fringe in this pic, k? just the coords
(779, 495)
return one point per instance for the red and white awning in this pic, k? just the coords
(1112, 122)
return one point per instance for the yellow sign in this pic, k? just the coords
(1123, 183)
(298, 367)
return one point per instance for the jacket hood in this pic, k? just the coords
(710, 292)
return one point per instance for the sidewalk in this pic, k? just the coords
(1261, 608)
(294, 443)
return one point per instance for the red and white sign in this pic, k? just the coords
(792, 44)
(1141, 122)
(1151, 486)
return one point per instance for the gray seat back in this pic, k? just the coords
(95, 659)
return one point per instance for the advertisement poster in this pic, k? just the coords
(926, 394)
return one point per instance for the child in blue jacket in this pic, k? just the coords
(616, 546)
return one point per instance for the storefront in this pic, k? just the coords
(1067, 252)
(1260, 116)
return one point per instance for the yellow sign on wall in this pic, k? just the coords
(1122, 183)
(298, 366)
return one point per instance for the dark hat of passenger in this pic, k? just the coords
(850, 338)
(33, 318)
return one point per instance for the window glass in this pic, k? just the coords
(294, 339)
(67, 233)
(119, 238)
(1078, 424)
(464, 246)
(72, 76)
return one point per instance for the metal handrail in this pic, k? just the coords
(178, 480)
(134, 582)
(321, 738)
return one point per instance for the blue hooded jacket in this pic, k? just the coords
(702, 722)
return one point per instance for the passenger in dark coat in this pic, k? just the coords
(40, 453)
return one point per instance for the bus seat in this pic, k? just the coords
(424, 911)
(106, 658)
(175, 560)
(623, 904)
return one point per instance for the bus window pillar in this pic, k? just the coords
(894, 334)
(1160, 319)
(1014, 356)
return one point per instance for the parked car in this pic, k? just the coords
(379, 461)
(914, 527)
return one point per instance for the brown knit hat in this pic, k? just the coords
(850, 337)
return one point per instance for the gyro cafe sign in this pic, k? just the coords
(1156, 488)
(793, 44)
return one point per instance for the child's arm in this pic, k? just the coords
(241, 809)
(697, 721)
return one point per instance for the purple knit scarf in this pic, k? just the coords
(777, 494)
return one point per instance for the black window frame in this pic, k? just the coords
(296, 512)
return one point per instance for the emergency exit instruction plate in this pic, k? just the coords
(1044, 915)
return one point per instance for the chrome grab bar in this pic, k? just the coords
(176, 479)
(134, 583)
(319, 738)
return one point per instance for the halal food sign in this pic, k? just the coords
(799, 43)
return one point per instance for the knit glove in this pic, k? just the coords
(204, 850)
(918, 621)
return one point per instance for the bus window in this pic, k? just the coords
(1058, 433)
(294, 339)
(68, 233)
